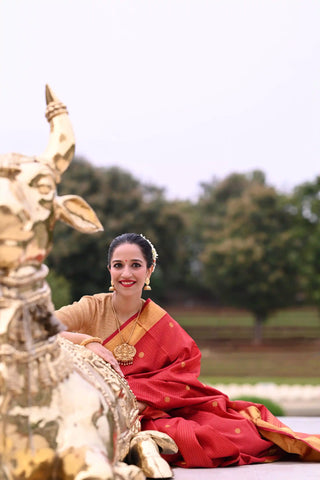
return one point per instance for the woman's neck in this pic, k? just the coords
(125, 308)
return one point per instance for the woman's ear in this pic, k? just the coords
(109, 271)
(150, 270)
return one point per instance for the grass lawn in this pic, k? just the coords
(307, 317)
(302, 362)
(229, 356)
(254, 380)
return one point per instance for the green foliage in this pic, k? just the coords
(274, 407)
(60, 289)
(216, 195)
(122, 204)
(305, 206)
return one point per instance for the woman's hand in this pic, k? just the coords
(95, 347)
(104, 353)
(141, 406)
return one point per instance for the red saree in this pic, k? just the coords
(209, 429)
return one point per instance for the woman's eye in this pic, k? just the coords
(117, 265)
(136, 265)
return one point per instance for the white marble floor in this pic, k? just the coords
(281, 470)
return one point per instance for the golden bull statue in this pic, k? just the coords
(65, 414)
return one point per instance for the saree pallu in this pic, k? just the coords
(209, 429)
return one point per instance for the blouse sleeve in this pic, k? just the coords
(76, 317)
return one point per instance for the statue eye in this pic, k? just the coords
(44, 184)
(44, 187)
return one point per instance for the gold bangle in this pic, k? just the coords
(90, 340)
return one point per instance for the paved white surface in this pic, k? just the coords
(282, 470)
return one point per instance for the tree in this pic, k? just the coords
(305, 207)
(211, 211)
(251, 260)
(216, 195)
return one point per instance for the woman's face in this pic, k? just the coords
(128, 269)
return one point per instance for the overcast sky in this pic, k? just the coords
(175, 91)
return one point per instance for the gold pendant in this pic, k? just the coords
(124, 354)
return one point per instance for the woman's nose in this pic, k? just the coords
(126, 270)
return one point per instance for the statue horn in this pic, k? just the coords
(61, 146)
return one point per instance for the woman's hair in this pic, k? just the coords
(146, 247)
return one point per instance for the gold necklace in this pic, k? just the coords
(124, 353)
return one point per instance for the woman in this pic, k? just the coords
(161, 363)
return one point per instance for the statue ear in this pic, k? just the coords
(76, 212)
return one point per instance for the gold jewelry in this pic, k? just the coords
(124, 353)
(147, 285)
(90, 340)
(111, 288)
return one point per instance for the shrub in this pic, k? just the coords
(274, 407)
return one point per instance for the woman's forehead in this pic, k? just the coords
(127, 251)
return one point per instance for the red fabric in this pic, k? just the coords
(208, 428)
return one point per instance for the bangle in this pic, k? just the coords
(90, 340)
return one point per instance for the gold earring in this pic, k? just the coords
(111, 288)
(147, 285)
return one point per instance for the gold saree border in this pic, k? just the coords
(150, 315)
(307, 446)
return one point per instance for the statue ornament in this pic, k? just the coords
(65, 414)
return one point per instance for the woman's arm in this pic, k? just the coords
(74, 337)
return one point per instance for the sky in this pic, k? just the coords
(177, 92)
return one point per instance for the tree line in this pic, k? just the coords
(242, 243)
